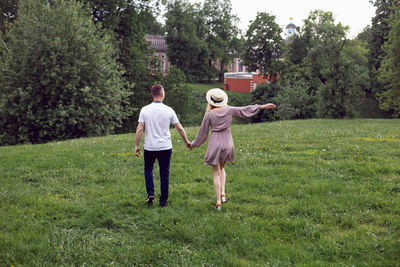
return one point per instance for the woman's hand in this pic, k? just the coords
(268, 106)
(189, 145)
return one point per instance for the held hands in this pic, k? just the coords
(268, 106)
(189, 145)
(137, 149)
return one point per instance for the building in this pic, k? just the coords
(236, 66)
(290, 30)
(244, 82)
(236, 79)
(157, 42)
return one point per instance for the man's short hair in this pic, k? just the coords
(156, 90)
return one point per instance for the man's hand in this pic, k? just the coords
(182, 132)
(137, 151)
(139, 132)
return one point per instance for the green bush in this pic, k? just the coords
(265, 93)
(293, 100)
(58, 78)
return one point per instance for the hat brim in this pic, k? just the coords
(217, 104)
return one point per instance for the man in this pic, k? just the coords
(156, 118)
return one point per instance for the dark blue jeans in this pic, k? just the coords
(164, 160)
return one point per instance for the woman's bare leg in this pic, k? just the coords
(222, 178)
(217, 182)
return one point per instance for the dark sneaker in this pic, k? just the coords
(163, 204)
(150, 200)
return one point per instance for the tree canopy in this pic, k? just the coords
(222, 32)
(389, 70)
(264, 45)
(187, 47)
(379, 31)
(59, 78)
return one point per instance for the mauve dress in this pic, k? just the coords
(220, 146)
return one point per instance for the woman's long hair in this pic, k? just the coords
(208, 108)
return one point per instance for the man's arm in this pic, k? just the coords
(139, 132)
(182, 132)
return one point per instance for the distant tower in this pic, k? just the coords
(290, 30)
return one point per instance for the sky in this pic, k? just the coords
(353, 13)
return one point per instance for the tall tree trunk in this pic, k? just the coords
(221, 72)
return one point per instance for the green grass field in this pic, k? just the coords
(302, 193)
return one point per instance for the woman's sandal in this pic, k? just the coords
(218, 206)
(223, 198)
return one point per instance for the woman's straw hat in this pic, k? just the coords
(217, 97)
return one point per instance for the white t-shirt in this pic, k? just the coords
(157, 118)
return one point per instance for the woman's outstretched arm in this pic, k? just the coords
(249, 111)
(268, 106)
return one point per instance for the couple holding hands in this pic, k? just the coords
(155, 120)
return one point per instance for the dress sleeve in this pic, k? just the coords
(203, 132)
(245, 112)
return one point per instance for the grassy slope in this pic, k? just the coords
(314, 192)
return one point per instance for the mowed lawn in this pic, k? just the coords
(302, 193)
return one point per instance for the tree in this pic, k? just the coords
(365, 35)
(299, 80)
(151, 25)
(389, 70)
(177, 95)
(379, 31)
(264, 45)
(293, 99)
(127, 21)
(355, 53)
(8, 13)
(330, 71)
(297, 49)
(134, 56)
(221, 32)
(186, 31)
(59, 81)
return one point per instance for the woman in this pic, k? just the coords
(220, 146)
